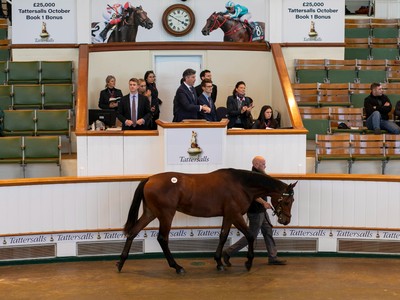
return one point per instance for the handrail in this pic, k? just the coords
(139, 177)
(286, 85)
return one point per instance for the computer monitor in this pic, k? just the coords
(107, 116)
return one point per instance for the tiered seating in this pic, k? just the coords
(357, 28)
(332, 147)
(367, 147)
(58, 96)
(333, 94)
(23, 72)
(41, 149)
(30, 149)
(5, 97)
(4, 42)
(37, 123)
(27, 96)
(36, 72)
(11, 150)
(346, 71)
(19, 122)
(341, 71)
(357, 48)
(372, 38)
(306, 94)
(357, 147)
(351, 117)
(310, 70)
(56, 72)
(315, 120)
(322, 120)
(384, 48)
(37, 96)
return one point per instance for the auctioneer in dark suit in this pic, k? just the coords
(185, 104)
(235, 116)
(212, 116)
(143, 112)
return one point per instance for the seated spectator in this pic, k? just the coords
(377, 108)
(205, 98)
(109, 93)
(239, 107)
(266, 119)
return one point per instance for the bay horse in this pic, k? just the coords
(234, 31)
(127, 29)
(225, 192)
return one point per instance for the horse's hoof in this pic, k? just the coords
(180, 271)
(119, 266)
(221, 268)
(248, 265)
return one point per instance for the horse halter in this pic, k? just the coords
(279, 211)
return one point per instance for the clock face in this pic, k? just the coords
(178, 20)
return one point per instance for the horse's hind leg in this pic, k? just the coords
(125, 253)
(240, 224)
(162, 238)
(143, 221)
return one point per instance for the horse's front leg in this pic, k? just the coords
(240, 224)
(223, 236)
(162, 238)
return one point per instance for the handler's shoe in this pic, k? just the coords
(276, 261)
(226, 258)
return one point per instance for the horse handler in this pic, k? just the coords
(258, 220)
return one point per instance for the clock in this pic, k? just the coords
(178, 20)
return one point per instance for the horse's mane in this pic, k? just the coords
(250, 178)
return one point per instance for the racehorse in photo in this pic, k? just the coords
(234, 31)
(126, 30)
(225, 192)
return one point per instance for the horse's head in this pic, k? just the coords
(282, 203)
(141, 18)
(215, 21)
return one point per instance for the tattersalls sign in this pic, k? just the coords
(39, 22)
(313, 21)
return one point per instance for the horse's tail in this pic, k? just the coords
(134, 210)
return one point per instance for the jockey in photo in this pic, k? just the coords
(113, 15)
(238, 12)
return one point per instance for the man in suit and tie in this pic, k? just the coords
(206, 74)
(206, 99)
(134, 109)
(185, 102)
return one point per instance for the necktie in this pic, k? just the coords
(193, 92)
(209, 101)
(133, 111)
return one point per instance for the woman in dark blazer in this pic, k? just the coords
(266, 119)
(108, 93)
(239, 107)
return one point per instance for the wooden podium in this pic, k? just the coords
(193, 146)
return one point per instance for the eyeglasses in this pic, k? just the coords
(209, 86)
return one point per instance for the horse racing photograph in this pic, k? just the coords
(124, 21)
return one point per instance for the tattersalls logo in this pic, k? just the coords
(312, 34)
(44, 35)
(194, 151)
(194, 147)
